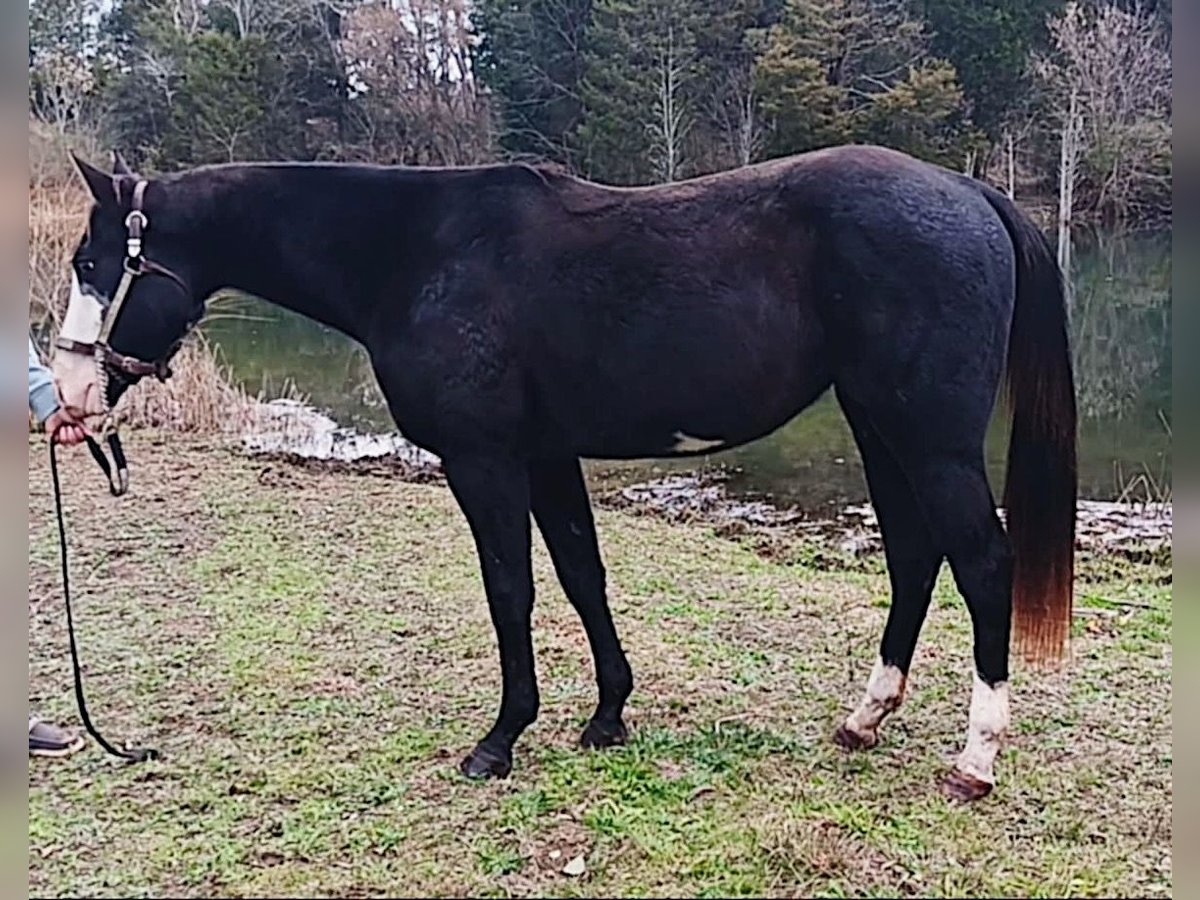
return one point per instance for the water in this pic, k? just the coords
(1121, 319)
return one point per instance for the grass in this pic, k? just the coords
(312, 653)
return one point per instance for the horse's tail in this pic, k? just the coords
(1041, 483)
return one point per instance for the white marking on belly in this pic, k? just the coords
(884, 694)
(685, 443)
(989, 720)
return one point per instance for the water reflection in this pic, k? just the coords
(1121, 321)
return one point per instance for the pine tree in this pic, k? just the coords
(989, 42)
(840, 71)
(201, 82)
(640, 91)
(531, 57)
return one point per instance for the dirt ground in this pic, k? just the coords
(312, 653)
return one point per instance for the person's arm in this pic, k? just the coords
(43, 401)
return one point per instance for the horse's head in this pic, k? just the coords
(133, 291)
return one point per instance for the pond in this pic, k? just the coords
(1121, 321)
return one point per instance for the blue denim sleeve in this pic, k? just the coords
(43, 401)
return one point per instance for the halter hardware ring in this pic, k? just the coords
(134, 223)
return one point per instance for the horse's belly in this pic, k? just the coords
(683, 374)
(667, 435)
(693, 414)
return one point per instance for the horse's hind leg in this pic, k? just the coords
(939, 446)
(564, 515)
(958, 501)
(913, 562)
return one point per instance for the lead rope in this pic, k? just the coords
(132, 754)
(121, 484)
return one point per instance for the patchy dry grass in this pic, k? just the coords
(312, 653)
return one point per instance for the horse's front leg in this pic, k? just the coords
(493, 492)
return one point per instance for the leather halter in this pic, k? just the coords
(134, 265)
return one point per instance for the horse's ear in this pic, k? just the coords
(120, 167)
(101, 184)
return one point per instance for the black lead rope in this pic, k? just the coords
(121, 484)
(118, 487)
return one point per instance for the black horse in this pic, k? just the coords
(519, 319)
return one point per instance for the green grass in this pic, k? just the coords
(312, 653)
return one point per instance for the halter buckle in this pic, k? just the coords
(134, 223)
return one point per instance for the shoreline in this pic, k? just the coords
(291, 432)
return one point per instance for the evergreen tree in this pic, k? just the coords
(840, 71)
(989, 42)
(531, 57)
(208, 82)
(639, 90)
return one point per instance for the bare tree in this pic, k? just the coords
(1109, 77)
(62, 44)
(187, 16)
(260, 17)
(1070, 144)
(671, 123)
(736, 113)
(414, 98)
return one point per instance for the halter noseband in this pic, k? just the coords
(135, 264)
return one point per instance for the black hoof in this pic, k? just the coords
(964, 788)
(599, 735)
(482, 763)
(852, 740)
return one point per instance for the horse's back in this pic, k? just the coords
(708, 312)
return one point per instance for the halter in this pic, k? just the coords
(135, 264)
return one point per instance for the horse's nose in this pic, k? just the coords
(76, 406)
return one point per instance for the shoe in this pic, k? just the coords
(50, 740)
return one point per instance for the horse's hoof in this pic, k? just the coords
(482, 763)
(599, 735)
(852, 740)
(965, 788)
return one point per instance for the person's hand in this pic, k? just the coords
(73, 431)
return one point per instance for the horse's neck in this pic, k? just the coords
(319, 242)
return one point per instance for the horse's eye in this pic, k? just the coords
(87, 266)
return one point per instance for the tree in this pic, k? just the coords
(735, 109)
(624, 91)
(923, 114)
(803, 108)
(228, 99)
(730, 129)
(413, 96)
(202, 82)
(838, 71)
(64, 72)
(531, 57)
(989, 43)
(639, 91)
(1108, 78)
